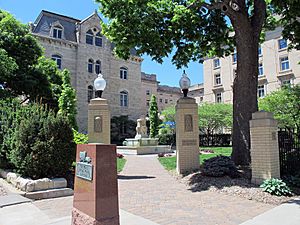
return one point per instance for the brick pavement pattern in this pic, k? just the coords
(146, 189)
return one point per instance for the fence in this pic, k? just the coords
(215, 140)
(289, 151)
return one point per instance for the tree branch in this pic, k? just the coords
(259, 16)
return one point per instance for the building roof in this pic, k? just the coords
(166, 88)
(149, 77)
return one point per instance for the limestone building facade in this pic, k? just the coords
(277, 66)
(78, 46)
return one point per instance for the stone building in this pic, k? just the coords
(79, 46)
(277, 67)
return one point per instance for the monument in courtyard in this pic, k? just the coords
(96, 187)
(141, 144)
(187, 131)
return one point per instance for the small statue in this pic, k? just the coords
(141, 129)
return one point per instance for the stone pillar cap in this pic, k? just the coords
(262, 115)
(98, 101)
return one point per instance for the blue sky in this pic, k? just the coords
(28, 10)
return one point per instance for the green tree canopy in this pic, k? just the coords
(285, 104)
(153, 116)
(213, 117)
(195, 29)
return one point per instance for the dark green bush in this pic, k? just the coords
(167, 139)
(220, 166)
(39, 143)
(121, 128)
(276, 187)
(292, 180)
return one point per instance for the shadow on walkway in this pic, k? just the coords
(122, 177)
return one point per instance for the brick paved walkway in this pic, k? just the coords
(146, 189)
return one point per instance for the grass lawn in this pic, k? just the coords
(120, 164)
(170, 162)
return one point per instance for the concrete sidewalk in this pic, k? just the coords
(32, 214)
(285, 214)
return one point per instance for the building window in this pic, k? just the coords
(284, 63)
(90, 93)
(148, 103)
(147, 92)
(90, 65)
(166, 101)
(89, 37)
(123, 73)
(98, 39)
(261, 91)
(57, 59)
(286, 82)
(160, 100)
(123, 99)
(98, 67)
(259, 51)
(216, 63)
(57, 32)
(234, 57)
(260, 69)
(218, 79)
(218, 97)
(282, 44)
(201, 99)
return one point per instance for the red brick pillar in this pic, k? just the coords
(96, 187)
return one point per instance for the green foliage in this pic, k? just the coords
(213, 117)
(80, 138)
(37, 143)
(220, 166)
(120, 164)
(153, 116)
(67, 100)
(167, 139)
(167, 115)
(276, 187)
(285, 105)
(121, 128)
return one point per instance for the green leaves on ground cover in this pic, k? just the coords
(276, 187)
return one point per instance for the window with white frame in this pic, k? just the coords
(124, 98)
(219, 97)
(98, 67)
(260, 69)
(90, 65)
(284, 63)
(234, 57)
(282, 43)
(218, 79)
(216, 63)
(57, 32)
(261, 91)
(90, 93)
(123, 73)
(89, 37)
(57, 59)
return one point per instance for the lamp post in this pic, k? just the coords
(184, 84)
(99, 85)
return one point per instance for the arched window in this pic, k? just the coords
(90, 93)
(89, 37)
(123, 73)
(98, 39)
(90, 65)
(57, 59)
(57, 32)
(124, 98)
(98, 67)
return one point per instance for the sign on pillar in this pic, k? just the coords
(187, 135)
(99, 121)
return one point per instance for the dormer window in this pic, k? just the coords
(57, 32)
(98, 39)
(89, 37)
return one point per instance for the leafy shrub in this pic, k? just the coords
(219, 166)
(167, 139)
(121, 128)
(80, 138)
(39, 143)
(120, 156)
(276, 187)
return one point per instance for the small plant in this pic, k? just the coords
(276, 187)
(161, 155)
(220, 166)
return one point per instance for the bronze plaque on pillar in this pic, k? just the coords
(188, 123)
(98, 124)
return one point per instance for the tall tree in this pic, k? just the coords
(197, 29)
(153, 116)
